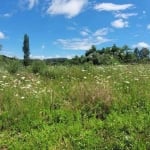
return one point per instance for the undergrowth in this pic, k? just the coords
(75, 107)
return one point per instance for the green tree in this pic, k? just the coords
(122, 52)
(26, 50)
(114, 50)
(96, 58)
(126, 48)
(137, 53)
(144, 53)
(75, 60)
(90, 51)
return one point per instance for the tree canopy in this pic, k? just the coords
(114, 54)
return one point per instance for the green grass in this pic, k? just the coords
(76, 107)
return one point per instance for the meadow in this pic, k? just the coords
(82, 107)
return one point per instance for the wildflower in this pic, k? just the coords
(84, 77)
(22, 87)
(97, 82)
(4, 77)
(22, 78)
(27, 80)
(114, 68)
(136, 79)
(38, 82)
(22, 97)
(108, 77)
(28, 86)
(83, 70)
(127, 82)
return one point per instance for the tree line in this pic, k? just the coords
(113, 54)
(104, 56)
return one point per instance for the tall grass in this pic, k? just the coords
(76, 107)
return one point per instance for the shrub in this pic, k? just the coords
(38, 67)
(92, 100)
(13, 66)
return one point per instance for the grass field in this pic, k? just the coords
(76, 108)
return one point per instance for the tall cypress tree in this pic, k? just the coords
(26, 50)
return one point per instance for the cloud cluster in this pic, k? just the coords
(72, 8)
(29, 4)
(120, 23)
(125, 15)
(32, 3)
(89, 38)
(116, 9)
(141, 45)
(69, 8)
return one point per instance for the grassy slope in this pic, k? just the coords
(76, 108)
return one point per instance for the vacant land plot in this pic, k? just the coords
(77, 107)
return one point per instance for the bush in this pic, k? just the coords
(39, 67)
(13, 66)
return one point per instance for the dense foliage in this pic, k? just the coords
(114, 54)
(74, 107)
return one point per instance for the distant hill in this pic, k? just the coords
(6, 59)
(56, 60)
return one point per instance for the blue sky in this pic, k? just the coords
(65, 28)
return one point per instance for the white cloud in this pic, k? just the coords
(74, 44)
(69, 8)
(148, 26)
(70, 56)
(2, 35)
(90, 38)
(84, 33)
(32, 3)
(38, 57)
(42, 57)
(141, 45)
(81, 44)
(28, 3)
(6, 15)
(112, 7)
(101, 32)
(120, 23)
(125, 15)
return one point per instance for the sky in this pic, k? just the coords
(65, 28)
